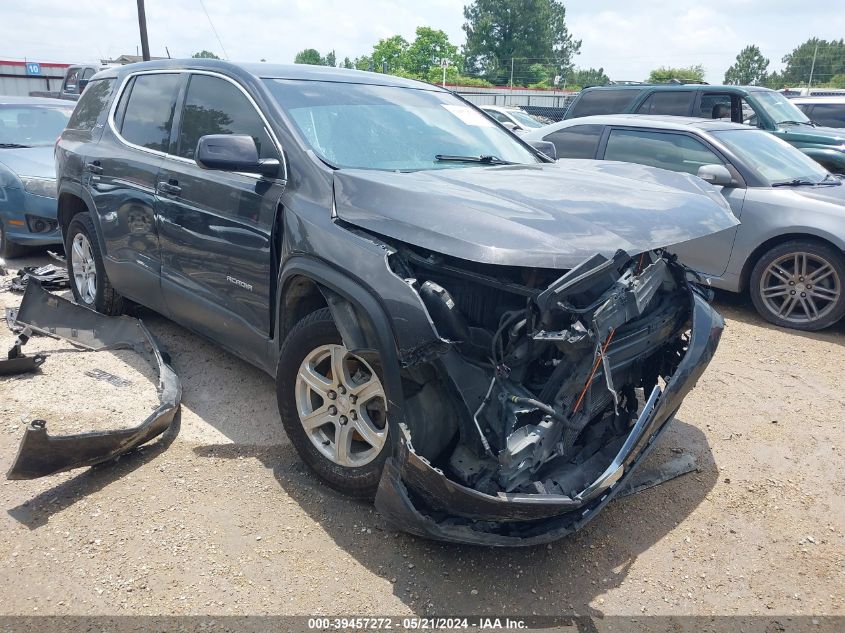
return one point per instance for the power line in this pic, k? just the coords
(222, 48)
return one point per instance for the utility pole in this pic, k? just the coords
(142, 25)
(812, 68)
(511, 77)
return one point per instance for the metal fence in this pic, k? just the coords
(551, 104)
(19, 78)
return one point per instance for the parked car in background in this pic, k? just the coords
(513, 118)
(388, 253)
(29, 127)
(789, 251)
(77, 77)
(829, 111)
(750, 105)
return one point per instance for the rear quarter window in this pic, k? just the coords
(578, 141)
(602, 102)
(93, 106)
(672, 103)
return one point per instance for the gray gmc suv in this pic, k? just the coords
(484, 340)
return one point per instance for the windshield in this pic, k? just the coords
(524, 119)
(779, 108)
(773, 159)
(32, 125)
(386, 127)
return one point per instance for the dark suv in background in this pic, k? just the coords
(760, 107)
(430, 292)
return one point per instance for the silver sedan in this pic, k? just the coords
(788, 252)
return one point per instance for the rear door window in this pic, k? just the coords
(149, 110)
(215, 106)
(669, 102)
(578, 141)
(667, 150)
(602, 102)
(829, 114)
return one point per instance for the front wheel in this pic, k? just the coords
(333, 407)
(799, 284)
(88, 280)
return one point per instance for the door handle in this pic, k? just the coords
(94, 167)
(171, 187)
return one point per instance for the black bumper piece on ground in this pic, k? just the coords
(420, 499)
(41, 454)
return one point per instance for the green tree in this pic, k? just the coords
(830, 61)
(309, 56)
(586, 77)
(519, 32)
(204, 55)
(347, 63)
(330, 60)
(665, 74)
(427, 50)
(837, 81)
(750, 68)
(390, 51)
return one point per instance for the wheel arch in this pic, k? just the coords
(362, 322)
(770, 243)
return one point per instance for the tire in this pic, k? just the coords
(781, 291)
(314, 338)
(98, 294)
(9, 250)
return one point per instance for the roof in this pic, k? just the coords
(657, 122)
(682, 87)
(276, 71)
(36, 101)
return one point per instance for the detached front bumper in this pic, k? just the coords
(420, 499)
(41, 454)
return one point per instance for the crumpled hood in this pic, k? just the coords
(551, 215)
(30, 161)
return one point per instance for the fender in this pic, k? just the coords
(360, 318)
(76, 189)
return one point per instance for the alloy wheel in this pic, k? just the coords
(341, 405)
(84, 269)
(800, 287)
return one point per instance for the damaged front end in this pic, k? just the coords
(551, 391)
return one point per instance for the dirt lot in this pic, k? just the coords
(220, 516)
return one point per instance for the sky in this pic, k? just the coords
(627, 38)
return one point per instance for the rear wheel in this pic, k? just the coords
(333, 407)
(88, 280)
(799, 284)
(9, 250)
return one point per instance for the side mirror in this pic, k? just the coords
(513, 127)
(546, 147)
(716, 175)
(233, 152)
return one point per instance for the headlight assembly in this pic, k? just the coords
(40, 186)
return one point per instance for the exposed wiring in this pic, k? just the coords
(593, 373)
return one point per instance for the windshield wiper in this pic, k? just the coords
(829, 179)
(13, 145)
(810, 123)
(484, 159)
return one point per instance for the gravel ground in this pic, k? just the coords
(221, 517)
